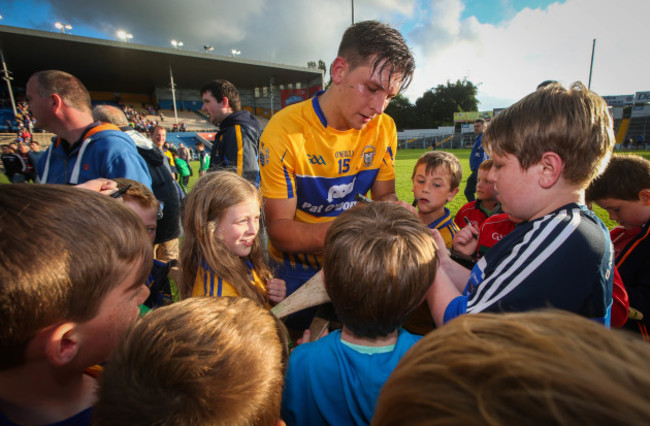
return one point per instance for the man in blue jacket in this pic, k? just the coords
(84, 149)
(477, 156)
(236, 144)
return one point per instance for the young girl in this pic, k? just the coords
(222, 254)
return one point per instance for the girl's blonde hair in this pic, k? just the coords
(205, 207)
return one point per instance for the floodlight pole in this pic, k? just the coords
(8, 79)
(591, 68)
(352, 1)
(173, 86)
(271, 93)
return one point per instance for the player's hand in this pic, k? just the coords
(466, 240)
(276, 289)
(101, 185)
(443, 254)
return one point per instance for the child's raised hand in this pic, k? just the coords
(466, 240)
(276, 289)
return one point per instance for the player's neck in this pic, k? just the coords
(329, 105)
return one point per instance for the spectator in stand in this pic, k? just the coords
(84, 149)
(35, 153)
(13, 164)
(486, 203)
(30, 166)
(476, 158)
(235, 146)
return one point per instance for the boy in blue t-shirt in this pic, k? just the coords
(546, 150)
(378, 263)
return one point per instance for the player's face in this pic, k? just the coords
(117, 312)
(484, 187)
(432, 190)
(479, 127)
(217, 111)
(239, 226)
(366, 93)
(514, 186)
(628, 213)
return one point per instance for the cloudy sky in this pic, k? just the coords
(506, 47)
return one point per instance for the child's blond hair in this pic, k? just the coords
(203, 360)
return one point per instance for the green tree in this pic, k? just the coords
(402, 111)
(436, 107)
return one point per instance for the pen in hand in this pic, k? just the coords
(120, 192)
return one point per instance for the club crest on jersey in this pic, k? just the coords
(264, 155)
(368, 155)
(316, 159)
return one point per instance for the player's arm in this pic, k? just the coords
(288, 235)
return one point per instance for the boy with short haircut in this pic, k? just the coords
(142, 201)
(62, 308)
(486, 203)
(336, 380)
(436, 177)
(624, 191)
(546, 150)
(203, 360)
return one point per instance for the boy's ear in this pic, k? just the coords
(452, 195)
(338, 69)
(61, 343)
(644, 196)
(551, 169)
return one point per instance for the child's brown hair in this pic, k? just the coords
(48, 237)
(623, 179)
(573, 123)
(539, 368)
(449, 162)
(203, 360)
(379, 260)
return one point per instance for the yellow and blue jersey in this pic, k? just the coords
(323, 168)
(446, 226)
(208, 283)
